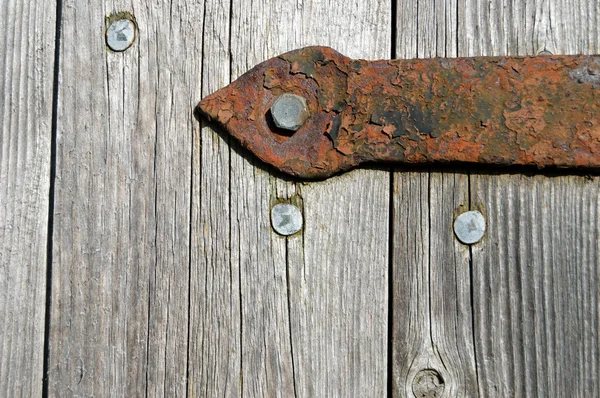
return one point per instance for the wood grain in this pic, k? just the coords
(431, 292)
(432, 344)
(520, 340)
(27, 35)
(167, 278)
(338, 269)
(119, 309)
(338, 284)
(214, 343)
(536, 285)
(535, 274)
(285, 295)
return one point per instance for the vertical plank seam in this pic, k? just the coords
(472, 289)
(390, 326)
(429, 292)
(230, 149)
(52, 177)
(150, 285)
(190, 240)
(394, 29)
(287, 277)
(390, 318)
(457, 11)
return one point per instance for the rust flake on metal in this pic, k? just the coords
(541, 111)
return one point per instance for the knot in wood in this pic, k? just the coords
(428, 383)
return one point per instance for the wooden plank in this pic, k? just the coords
(432, 344)
(338, 276)
(119, 313)
(214, 345)
(339, 268)
(536, 285)
(274, 352)
(432, 334)
(535, 274)
(27, 34)
(237, 266)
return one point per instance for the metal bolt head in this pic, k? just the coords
(290, 112)
(286, 219)
(120, 34)
(469, 227)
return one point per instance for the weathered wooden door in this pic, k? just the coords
(136, 252)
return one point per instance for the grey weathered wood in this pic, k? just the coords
(535, 275)
(301, 311)
(516, 355)
(338, 276)
(214, 344)
(432, 324)
(338, 269)
(167, 278)
(536, 280)
(431, 291)
(120, 282)
(27, 35)
(278, 330)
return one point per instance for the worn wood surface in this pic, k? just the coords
(535, 286)
(27, 38)
(215, 355)
(339, 288)
(286, 312)
(532, 312)
(535, 275)
(432, 330)
(166, 278)
(432, 336)
(120, 268)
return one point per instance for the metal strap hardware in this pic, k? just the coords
(313, 112)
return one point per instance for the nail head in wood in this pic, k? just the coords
(469, 227)
(120, 34)
(286, 219)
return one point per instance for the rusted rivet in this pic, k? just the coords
(428, 383)
(120, 34)
(469, 227)
(286, 219)
(289, 112)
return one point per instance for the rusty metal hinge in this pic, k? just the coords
(314, 112)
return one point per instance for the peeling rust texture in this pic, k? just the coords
(541, 111)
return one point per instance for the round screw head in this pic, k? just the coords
(286, 219)
(290, 112)
(120, 34)
(469, 227)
